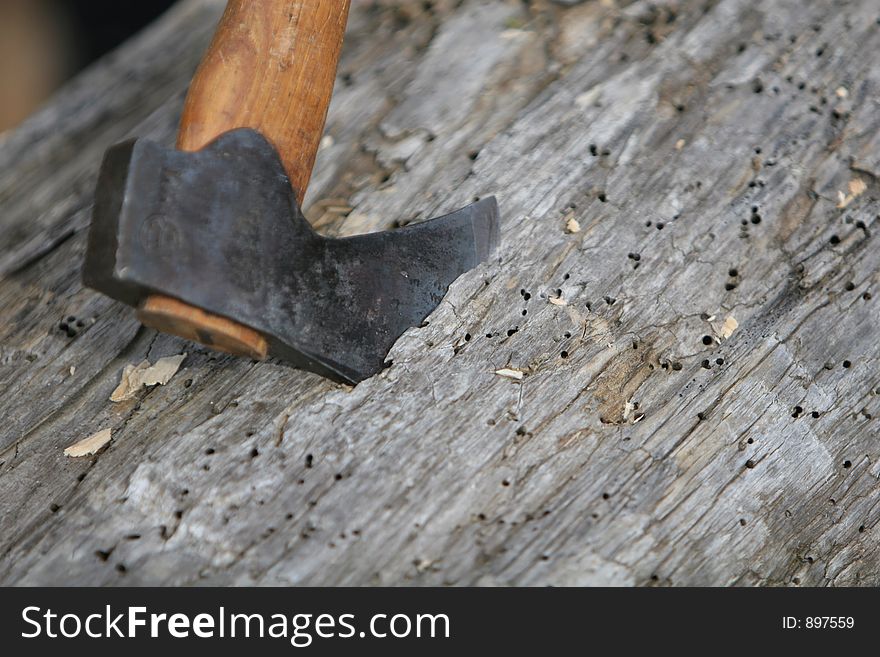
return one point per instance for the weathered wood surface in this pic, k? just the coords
(630, 453)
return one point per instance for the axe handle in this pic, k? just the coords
(271, 67)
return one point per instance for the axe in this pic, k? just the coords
(208, 241)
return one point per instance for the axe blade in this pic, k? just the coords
(220, 230)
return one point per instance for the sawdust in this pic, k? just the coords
(507, 373)
(680, 144)
(558, 301)
(135, 377)
(572, 225)
(91, 445)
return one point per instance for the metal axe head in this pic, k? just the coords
(220, 229)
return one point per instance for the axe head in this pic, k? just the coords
(221, 230)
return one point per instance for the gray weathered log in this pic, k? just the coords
(705, 148)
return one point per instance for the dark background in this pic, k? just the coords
(104, 24)
(45, 42)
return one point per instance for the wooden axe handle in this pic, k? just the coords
(270, 67)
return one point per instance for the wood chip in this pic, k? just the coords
(857, 187)
(513, 33)
(135, 377)
(91, 445)
(680, 144)
(729, 326)
(842, 92)
(588, 98)
(126, 388)
(572, 226)
(516, 375)
(558, 301)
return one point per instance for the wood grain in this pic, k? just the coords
(270, 67)
(633, 451)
